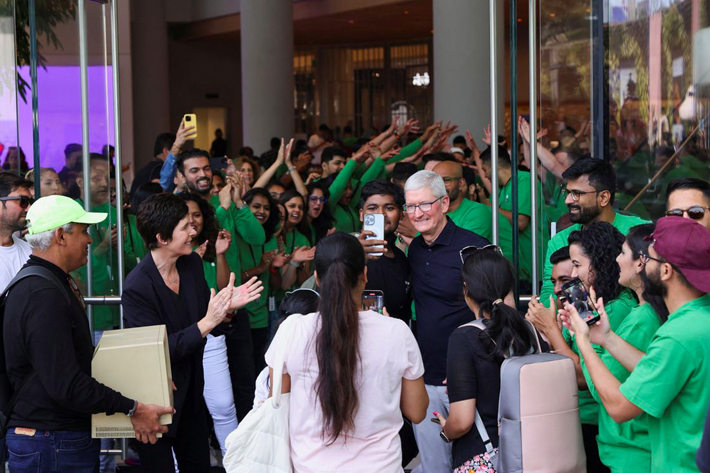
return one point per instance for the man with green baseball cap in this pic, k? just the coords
(55, 211)
(48, 350)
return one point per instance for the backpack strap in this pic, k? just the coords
(38, 271)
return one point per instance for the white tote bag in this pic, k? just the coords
(261, 443)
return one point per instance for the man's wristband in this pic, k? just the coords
(294, 265)
(133, 411)
(290, 170)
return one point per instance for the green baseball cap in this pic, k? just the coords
(54, 211)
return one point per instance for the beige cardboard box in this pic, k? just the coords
(135, 362)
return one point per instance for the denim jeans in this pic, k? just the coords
(52, 452)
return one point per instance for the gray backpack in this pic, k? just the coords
(538, 415)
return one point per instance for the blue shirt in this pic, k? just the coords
(438, 294)
(167, 173)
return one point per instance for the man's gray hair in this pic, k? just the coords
(42, 241)
(426, 180)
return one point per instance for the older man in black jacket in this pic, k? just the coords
(48, 351)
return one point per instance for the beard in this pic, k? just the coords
(454, 194)
(585, 215)
(192, 186)
(653, 285)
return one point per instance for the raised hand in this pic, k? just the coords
(412, 126)
(220, 303)
(390, 154)
(224, 239)
(287, 153)
(371, 246)
(544, 319)
(225, 196)
(312, 177)
(487, 135)
(303, 253)
(267, 257)
(429, 132)
(202, 249)
(184, 134)
(280, 259)
(244, 294)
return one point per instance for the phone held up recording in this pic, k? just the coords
(576, 294)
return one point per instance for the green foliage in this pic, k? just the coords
(49, 13)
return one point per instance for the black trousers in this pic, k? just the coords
(260, 340)
(191, 445)
(240, 354)
(591, 449)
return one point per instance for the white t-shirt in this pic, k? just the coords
(388, 353)
(12, 259)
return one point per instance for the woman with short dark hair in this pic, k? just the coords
(168, 288)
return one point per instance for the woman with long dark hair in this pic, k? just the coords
(475, 356)
(351, 373)
(295, 243)
(263, 261)
(626, 447)
(593, 252)
(318, 215)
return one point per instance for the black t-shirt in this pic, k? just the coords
(474, 374)
(703, 457)
(48, 350)
(147, 174)
(392, 277)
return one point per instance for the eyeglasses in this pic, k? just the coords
(424, 206)
(645, 257)
(467, 251)
(24, 200)
(696, 212)
(576, 195)
(315, 198)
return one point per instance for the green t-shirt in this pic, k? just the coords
(347, 217)
(210, 270)
(239, 222)
(623, 223)
(477, 218)
(626, 447)
(250, 257)
(671, 383)
(292, 240)
(134, 238)
(104, 269)
(505, 201)
(617, 309)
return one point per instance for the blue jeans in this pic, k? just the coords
(52, 452)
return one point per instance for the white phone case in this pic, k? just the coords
(376, 224)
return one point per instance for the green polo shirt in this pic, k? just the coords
(251, 257)
(505, 201)
(617, 309)
(626, 447)
(477, 218)
(210, 270)
(623, 223)
(671, 383)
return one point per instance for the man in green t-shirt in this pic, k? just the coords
(505, 204)
(590, 189)
(670, 381)
(470, 215)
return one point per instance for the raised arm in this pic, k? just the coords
(266, 176)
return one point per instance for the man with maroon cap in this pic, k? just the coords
(671, 382)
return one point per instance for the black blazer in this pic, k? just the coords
(148, 301)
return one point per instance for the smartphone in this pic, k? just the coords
(219, 164)
(190, 119)
(576, 294)
(376, 224)
(373, 300)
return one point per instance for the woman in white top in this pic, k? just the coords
(351, 374)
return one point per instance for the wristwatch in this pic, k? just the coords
(295, 265)
(443, 436)
(133, 411)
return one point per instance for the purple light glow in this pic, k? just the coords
(60, 114)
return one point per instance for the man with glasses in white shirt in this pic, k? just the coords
(15, 200)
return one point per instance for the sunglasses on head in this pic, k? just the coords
(467, 251)
(24, 200)
(696, 212)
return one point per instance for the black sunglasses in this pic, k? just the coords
(24, 200)
(696, 212)
(467, 251)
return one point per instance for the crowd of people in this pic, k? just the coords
(223, 251)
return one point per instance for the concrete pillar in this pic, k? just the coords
(151, 99)
(267, 71)
(462, 64)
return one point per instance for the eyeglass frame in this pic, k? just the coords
(576, 195)
(687, 211)
(21, 198)
(645, 257)
(419, 206)
(496, 248)
(314, 198)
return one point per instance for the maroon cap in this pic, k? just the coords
(686, 244)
